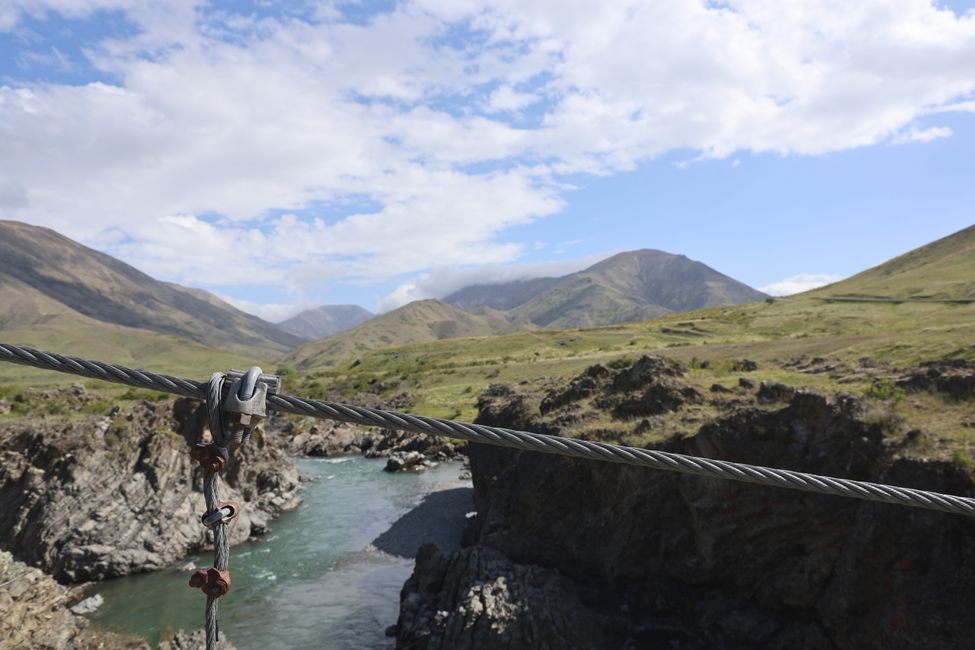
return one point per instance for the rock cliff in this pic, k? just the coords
(570, 553)
(88, 497)
(36, 616)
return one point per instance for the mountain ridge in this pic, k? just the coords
(629, 286)
(417, 321)
(52, 275)
(618, 289)
(326, 320)
(940, 270)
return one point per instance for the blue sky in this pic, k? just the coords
(287, 154)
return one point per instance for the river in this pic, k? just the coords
(317, 580)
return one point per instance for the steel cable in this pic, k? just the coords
(524, 440)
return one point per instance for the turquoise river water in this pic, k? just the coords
(316, 580)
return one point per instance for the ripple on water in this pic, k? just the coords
(317, 581)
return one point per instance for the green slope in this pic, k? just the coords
(942, 270)
(446, 376)
(633, 286)
(49, 273)
(423, 320)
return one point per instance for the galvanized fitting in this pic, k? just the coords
(246, 402)
(226, 512)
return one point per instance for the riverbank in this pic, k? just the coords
(330, 574)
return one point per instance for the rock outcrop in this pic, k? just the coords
(405, 449)
(478, 598)
(632, 558)
(36, 615)
(92, 497)
(951, 377)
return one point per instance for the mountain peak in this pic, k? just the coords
(325, 320)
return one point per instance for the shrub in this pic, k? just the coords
(885, 390)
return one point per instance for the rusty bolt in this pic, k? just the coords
(212, 582)
(213, 463)
(243, 419)
(208, 457)
(218, 583)
(199, 579)
(200, 452)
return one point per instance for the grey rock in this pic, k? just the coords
(195, 640)
(657, 559)
(402, 461)
(35, 614)
(104, 497)
(774, 391)
(477, 598)
(89, 605)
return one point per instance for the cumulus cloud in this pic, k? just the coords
(799, 283)
(231, 141)
(922, 135)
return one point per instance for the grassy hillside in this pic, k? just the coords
(846, 340)
(633, 286)
(50, 274)
(83, 337)
(942, 270)
(447, 376)
(423, 320)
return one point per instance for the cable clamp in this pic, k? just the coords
(212, 457)
(212, 582)
(226, 512)
(246, 401)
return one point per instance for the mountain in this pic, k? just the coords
(422, 320)
(941, 270)
(47, 279)
(627, 287)
(503, 295)
(630, 286)
(846, 332)
(326, 320)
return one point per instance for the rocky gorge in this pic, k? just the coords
(405, 450)
(93, 491)
(571, 553)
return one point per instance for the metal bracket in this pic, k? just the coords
(246, 401)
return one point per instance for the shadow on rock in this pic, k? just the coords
(439, 519)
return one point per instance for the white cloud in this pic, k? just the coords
(271, 312)
(244, 117)
(441, 282)
(922, 135)
(505, 98)
(799, 283)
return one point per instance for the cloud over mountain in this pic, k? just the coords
(329, 144)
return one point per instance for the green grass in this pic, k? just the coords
(447, 376)
(115, 344)
(942, 270)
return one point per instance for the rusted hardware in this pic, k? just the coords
(211, 457)
(226, 512)
(212, 582)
